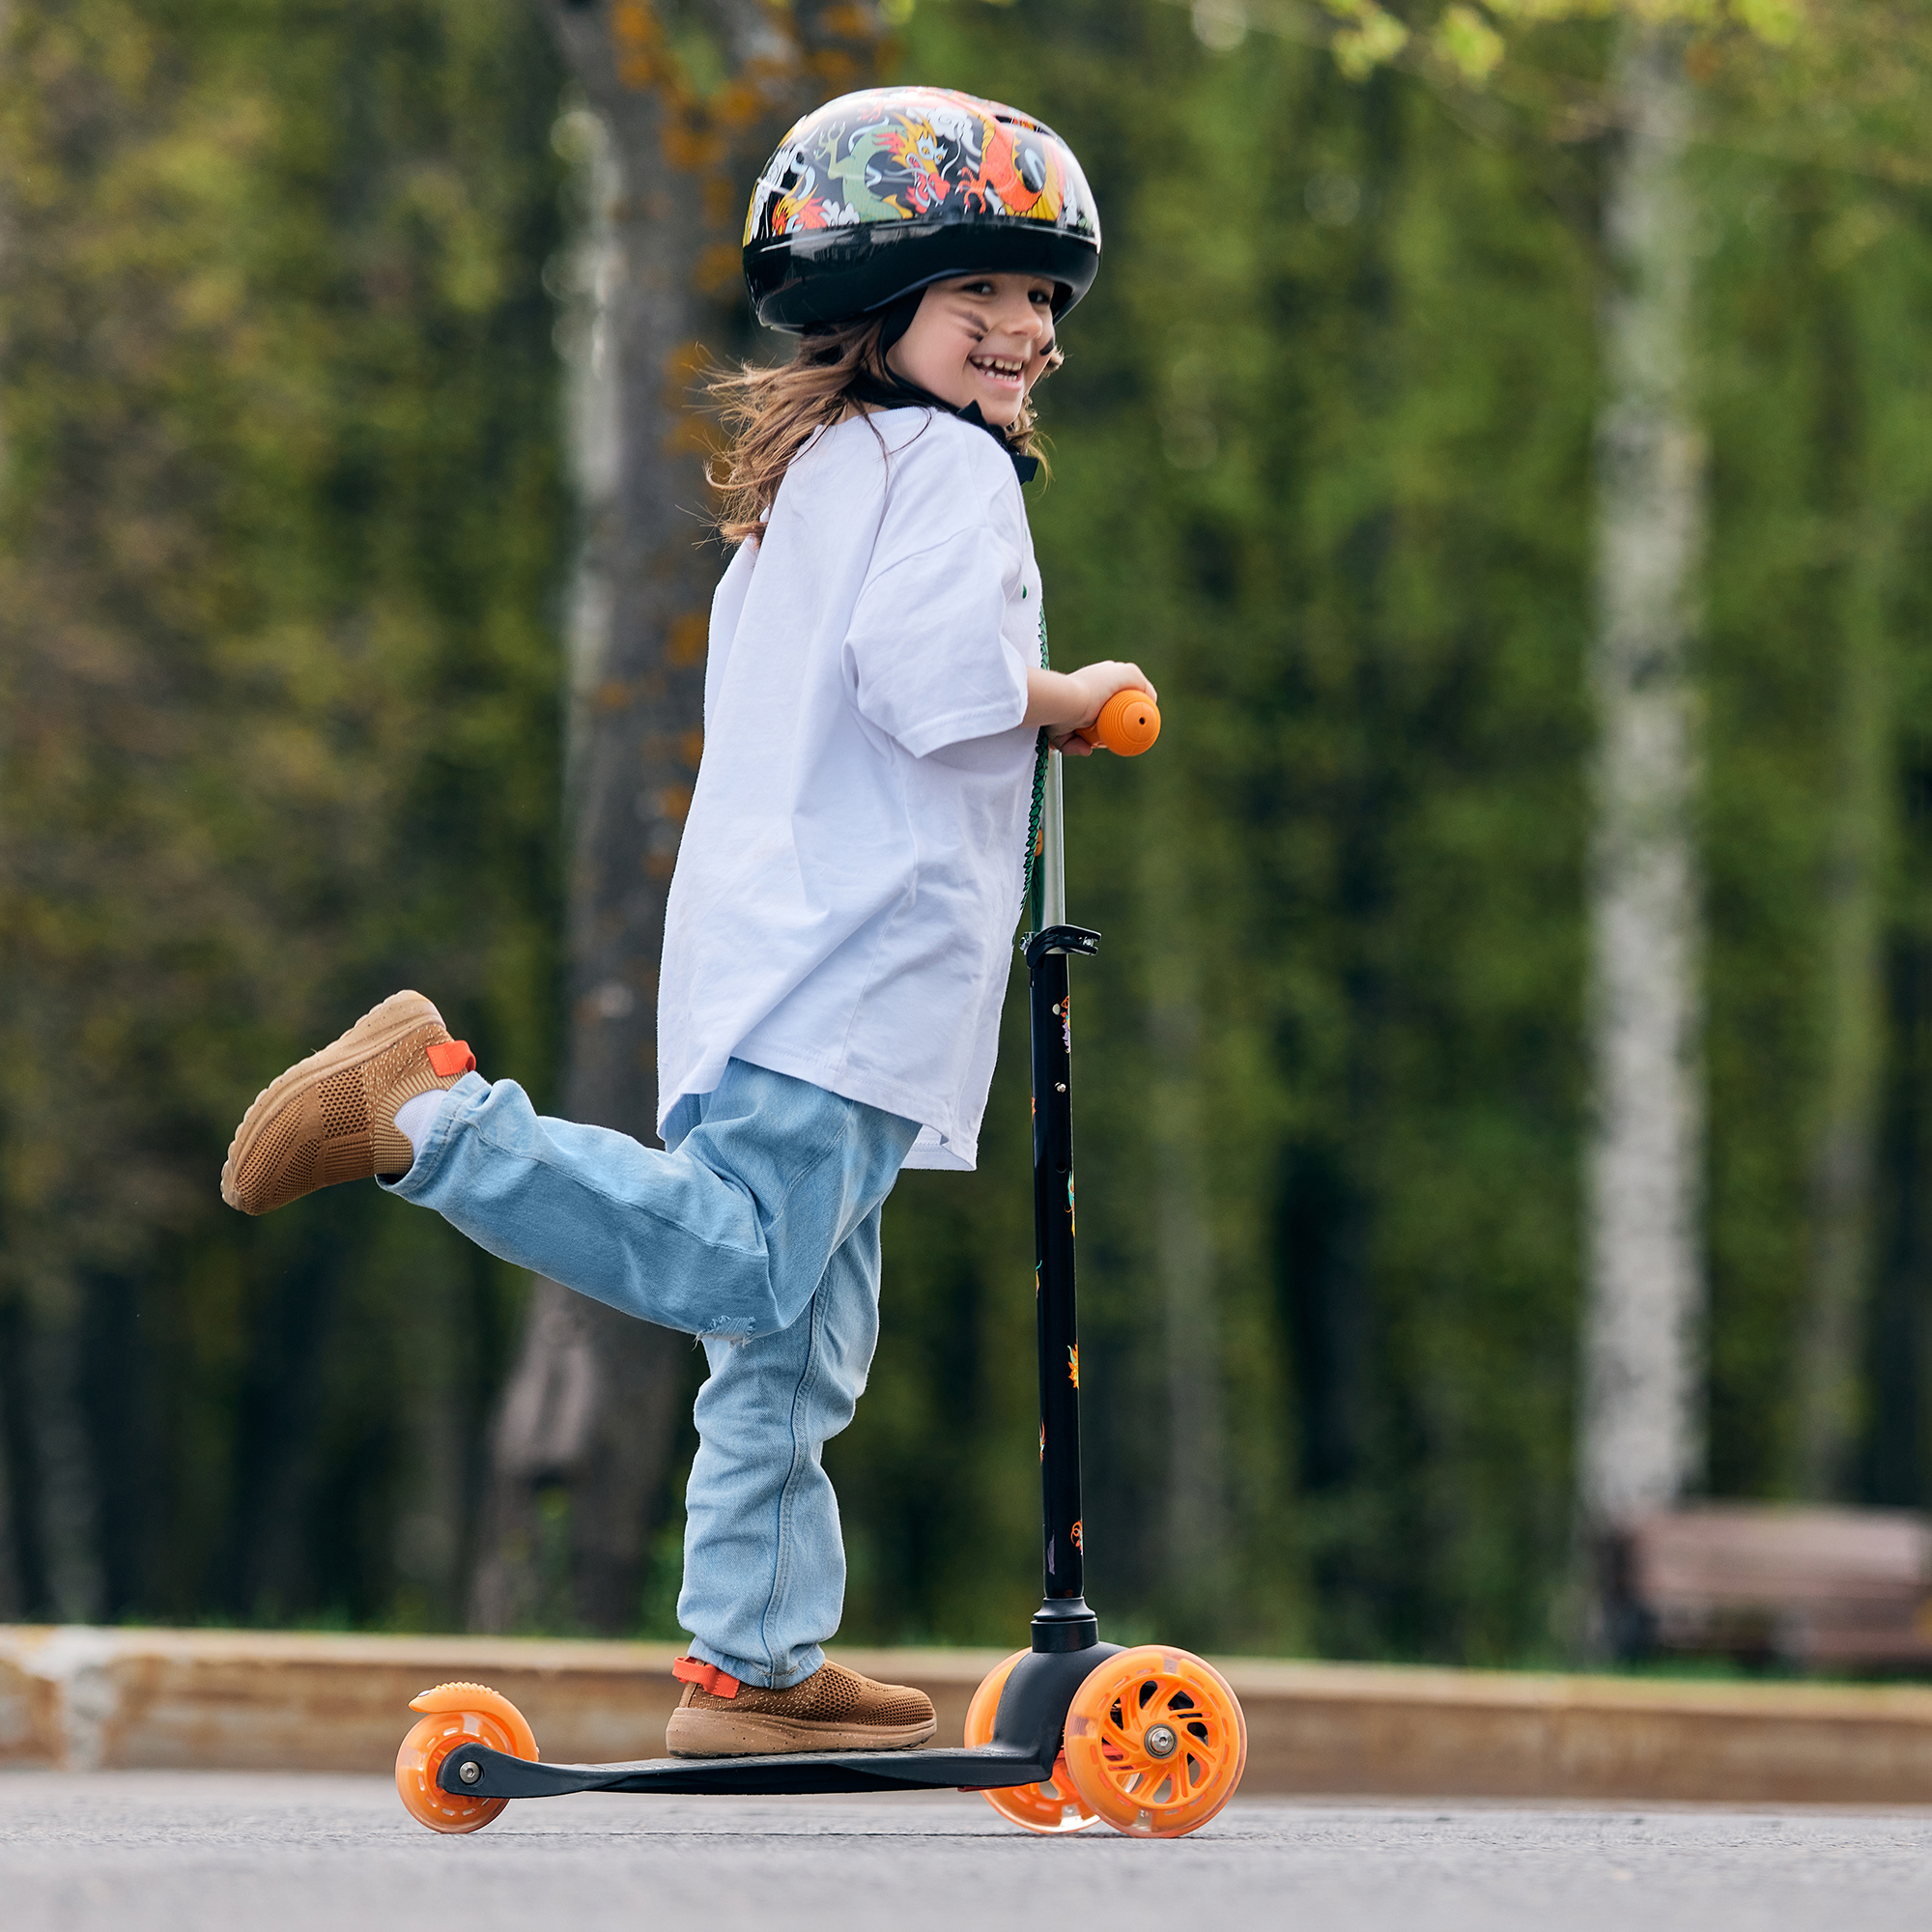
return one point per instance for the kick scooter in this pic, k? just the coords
(1061, 1735)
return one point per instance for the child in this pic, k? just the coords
(838, 927)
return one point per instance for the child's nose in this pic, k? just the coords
(1025, 318)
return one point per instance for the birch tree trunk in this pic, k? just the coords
(684, 120)
(1640, 1433)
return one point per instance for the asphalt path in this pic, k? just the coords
(151, 1851)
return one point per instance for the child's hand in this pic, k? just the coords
(1064, 701)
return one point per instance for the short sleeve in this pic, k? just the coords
(929, 659)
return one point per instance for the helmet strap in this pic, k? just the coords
(897, 393)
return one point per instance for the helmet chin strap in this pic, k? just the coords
(895, 392)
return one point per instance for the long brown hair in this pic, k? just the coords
(770, 414)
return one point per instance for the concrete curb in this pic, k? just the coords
(240, 1700)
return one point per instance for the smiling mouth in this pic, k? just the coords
(1001, 369)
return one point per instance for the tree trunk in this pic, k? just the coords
(57, 1418)
(16, 1591)
(1829, 1383)
(1640, 1436)
(1193, 1546)
(683, 122)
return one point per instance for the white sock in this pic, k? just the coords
(416, 1118)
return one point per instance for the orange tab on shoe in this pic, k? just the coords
(708, 1678)
(451, 1056)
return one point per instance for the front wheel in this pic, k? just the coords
(1155, 1741)
(1052, 1805)
(453, 1715)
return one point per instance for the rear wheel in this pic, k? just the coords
(1155, 1741)
(457, 1713)
(1050, 1807)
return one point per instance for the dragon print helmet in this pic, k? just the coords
(880, 192)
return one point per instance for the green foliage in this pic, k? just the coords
(282, 520)
(1321, 467)
(1822, 490)
(1322, 458)
(278, 732)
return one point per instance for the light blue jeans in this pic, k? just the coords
(759, 1232)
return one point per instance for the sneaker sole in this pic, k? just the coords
(726, 1734)
(381, 1026)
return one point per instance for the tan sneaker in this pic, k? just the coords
(332, 1117)
(835, 1709)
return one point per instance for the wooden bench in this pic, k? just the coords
(1809, 1588)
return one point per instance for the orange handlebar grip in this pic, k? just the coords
(1129, 723)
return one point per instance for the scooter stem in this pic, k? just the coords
(1050, 870)
(1063, 1622)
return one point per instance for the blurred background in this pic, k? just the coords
(1506, 438)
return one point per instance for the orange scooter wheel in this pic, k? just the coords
(1049, 1806)
(453, 1715)
(1155, 1742)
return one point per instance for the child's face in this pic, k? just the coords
(982, 339)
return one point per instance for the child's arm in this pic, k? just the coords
(1066, 700)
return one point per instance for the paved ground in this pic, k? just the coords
(152, 1852)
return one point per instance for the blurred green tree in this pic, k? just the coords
(1325, 459)
(1322, 448)
(279, 732)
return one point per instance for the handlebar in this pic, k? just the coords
(1129, 723)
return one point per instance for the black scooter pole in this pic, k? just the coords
(1064, 1621)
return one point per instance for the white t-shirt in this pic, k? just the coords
(849, 878)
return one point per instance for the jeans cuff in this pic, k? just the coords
(755, 1674)
(421, 1174)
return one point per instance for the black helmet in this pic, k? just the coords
(878, 193)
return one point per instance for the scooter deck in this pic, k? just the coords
(985, 1768)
